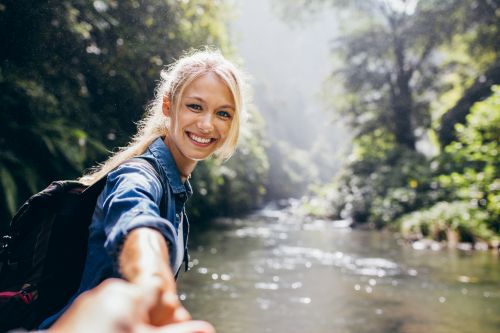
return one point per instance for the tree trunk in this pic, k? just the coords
(402, 109)
(402, 101)
(480, 89)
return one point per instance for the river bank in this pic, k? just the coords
(421, 231)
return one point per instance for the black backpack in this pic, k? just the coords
(43, 255)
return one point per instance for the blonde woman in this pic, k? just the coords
(139, 229)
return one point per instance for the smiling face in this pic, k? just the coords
(202, 122)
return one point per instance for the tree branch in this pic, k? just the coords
(480, 89)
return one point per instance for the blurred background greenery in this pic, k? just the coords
(408, 132)
(417, 82)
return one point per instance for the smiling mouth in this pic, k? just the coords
(200, 141)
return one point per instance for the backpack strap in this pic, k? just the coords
(145, 162)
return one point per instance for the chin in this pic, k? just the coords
(199, 157)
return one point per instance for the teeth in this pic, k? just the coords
(199, 139)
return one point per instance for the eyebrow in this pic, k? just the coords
(225, 106)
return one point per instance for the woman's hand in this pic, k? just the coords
(116, 306)
(144, 262)
(165, 307)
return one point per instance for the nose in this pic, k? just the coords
(205, 123)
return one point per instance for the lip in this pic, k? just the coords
(200, 144)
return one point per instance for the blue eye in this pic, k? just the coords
(195, 107)
(224, 114)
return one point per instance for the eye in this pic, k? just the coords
(224, 114)
(195, 107)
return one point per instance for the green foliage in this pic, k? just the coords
(469, 175)
(380, 184)
(291, 171)
(319, 204)
(444, 220)
(460, 192)
(386, 68)
(75, 76)
(399, 61)
(477, 144)
(470, 165)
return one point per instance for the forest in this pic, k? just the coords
(416, 82)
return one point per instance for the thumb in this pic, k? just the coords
(181, 314)
(171, 300)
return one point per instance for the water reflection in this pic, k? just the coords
(275, 273)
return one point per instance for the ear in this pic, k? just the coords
(166, 106)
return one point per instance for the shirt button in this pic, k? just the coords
(178, 216)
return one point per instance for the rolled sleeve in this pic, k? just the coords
(132, 197)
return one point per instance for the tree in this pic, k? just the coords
(469, 173)
(470, 168)
(388, 62)
(479, 90)
(391, 57)
(478, 32)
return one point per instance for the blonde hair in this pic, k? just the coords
(174, 79)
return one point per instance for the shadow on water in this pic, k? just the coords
(270, 272)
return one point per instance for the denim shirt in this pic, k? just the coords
(131, 199)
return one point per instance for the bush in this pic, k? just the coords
(468, 174)
(470, 168)
(383, 182)
(460, 193)
(439, 222)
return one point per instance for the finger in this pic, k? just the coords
(195, 326)
(162, 312)
(171, 300)
(152, 291)
(181, 314)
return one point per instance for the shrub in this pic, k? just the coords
(462, 218)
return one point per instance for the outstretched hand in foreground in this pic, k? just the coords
(116, 306)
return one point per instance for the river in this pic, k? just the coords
(270, 272)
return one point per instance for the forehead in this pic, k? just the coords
(209, 87)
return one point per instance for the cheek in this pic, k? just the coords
(179, 122)
(225, 128)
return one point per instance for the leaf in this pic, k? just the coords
(9, 190)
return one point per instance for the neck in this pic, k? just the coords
(185, 177)
(184, 164)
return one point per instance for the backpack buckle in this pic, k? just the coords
(4, 245)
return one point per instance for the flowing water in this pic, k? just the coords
(272, 273)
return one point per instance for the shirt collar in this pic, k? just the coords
(161, 152)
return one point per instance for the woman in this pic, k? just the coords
(139, 229)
